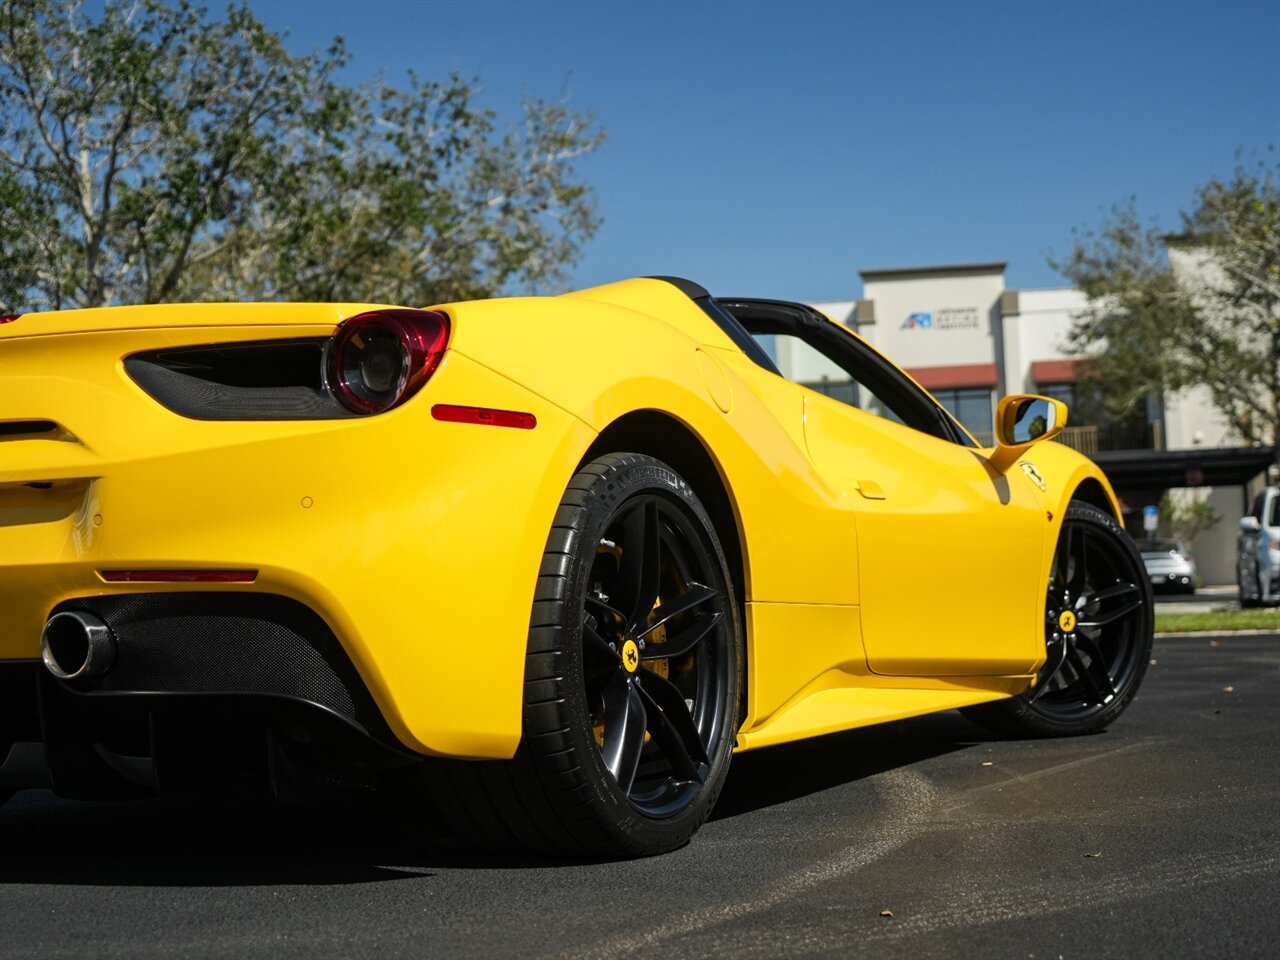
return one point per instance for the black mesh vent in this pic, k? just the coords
(228, 643)
(22, 428)
(262, 380)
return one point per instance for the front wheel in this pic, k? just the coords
(632, 676)
(1245, 600)
(1099, 627)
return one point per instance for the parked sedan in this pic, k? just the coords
(1169, 564)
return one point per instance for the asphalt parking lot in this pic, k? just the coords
(1158, 838)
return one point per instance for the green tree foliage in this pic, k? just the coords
(1210, 319)
(156, 154)
(1186, 517)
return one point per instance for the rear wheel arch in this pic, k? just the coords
(626, 739)
(663, 437)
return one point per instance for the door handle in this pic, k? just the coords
(870, 489)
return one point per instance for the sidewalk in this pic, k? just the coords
(1204, 600)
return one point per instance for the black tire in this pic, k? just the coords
(5, 794)
(616, 759)
(1099, 627)
(1254, 601)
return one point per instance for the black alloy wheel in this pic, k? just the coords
(654, 654)
(632, 677)
(1099, 627)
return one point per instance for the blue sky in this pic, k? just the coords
(774, 149)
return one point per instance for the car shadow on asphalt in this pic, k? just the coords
(777, 775)
(236, 842)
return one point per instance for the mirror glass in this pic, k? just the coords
(1031, 419)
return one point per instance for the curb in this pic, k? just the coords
(1183, 634)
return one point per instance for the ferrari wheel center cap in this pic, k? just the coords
(1067, 621)
(631, 656)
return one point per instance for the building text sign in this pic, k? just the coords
(946, 318)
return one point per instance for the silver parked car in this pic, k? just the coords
(1258, 551)
(1169, 565)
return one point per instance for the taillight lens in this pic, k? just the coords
(377, 361)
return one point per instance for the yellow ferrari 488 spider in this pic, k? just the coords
(555, 558)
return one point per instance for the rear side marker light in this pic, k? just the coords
(485, 416)
(178, 576)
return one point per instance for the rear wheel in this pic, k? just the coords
(631, 678)
(1099, 627)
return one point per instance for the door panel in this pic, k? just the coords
(949, 556)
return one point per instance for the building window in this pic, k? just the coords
(1065, 392)
(1092, 429)
(971, 406)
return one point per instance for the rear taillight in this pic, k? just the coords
(9, 317)
(377, 361)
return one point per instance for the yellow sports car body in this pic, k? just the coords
(556, 558)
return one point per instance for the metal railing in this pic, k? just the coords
(1115, 436)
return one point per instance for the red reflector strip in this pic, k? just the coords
(484, 415)
(178, 576)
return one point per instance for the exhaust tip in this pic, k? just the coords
(75, 644)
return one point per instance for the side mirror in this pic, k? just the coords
(1250, 524)
(1021, 421)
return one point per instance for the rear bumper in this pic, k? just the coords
(1170, 574)
(252, 644)
(1174, 580)
(110, 745)
(415, 542)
